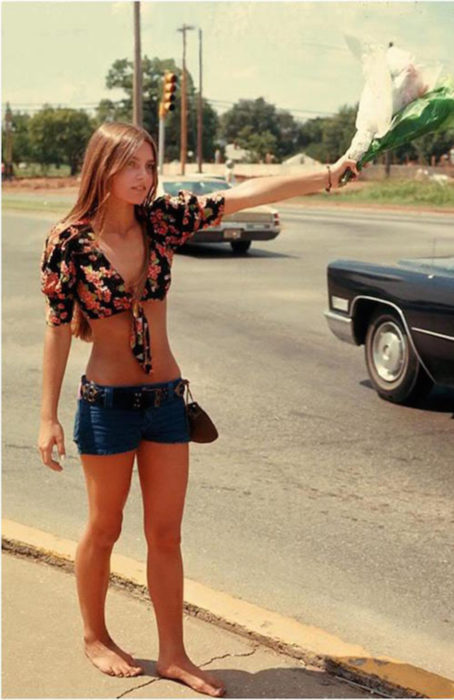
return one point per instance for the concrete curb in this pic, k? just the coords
(310, 644)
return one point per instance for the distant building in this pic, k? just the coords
(302, 159)
(235, 153)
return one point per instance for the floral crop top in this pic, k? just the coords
(74, 268)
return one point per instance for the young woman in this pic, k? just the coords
(105, 272)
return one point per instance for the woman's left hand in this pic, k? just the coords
(339, 168)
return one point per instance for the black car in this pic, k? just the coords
(404, 316)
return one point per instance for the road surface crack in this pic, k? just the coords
(225, 656)
(142, 685)
(206, 663)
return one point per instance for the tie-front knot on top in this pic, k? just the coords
(73, 269)
(139, 340)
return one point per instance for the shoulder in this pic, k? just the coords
(61, 244)
(65, 238)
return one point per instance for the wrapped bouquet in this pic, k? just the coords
(400, 102)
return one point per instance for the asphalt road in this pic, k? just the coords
(319, 500)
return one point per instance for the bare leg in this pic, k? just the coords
(163, 472)
(108, 478)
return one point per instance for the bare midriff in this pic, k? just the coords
(112, 362)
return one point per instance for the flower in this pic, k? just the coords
(400, 102)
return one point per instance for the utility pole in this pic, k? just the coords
(161, 139)
(9, 143)
(387, 164)
(137, 117)
(199, 109)
(184, 127)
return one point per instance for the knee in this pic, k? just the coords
(104, 533)
(163, 539)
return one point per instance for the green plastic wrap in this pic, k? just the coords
(432, 112)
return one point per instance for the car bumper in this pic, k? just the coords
(233, 233)
(341, 326)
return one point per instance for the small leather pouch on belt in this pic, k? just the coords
(201, 427)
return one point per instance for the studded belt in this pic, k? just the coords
(129, 397)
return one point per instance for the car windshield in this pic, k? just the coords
(195, 186)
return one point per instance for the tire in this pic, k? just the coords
(240, 247)
(392, 364)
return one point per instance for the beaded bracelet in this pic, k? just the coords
(330, 184)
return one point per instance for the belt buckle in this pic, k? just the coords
(90, 393)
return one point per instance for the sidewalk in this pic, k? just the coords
(257, 652)
(43, 655)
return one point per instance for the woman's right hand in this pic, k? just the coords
(50, 434)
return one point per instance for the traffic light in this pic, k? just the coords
(168, 93)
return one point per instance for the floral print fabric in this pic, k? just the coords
(74, 268)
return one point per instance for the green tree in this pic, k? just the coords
(22, 149)
(327, 138)
(310, 132)
(262, 118)
(120, 75)
(257, 114)
(59, 136)
(288, 140)
(258, 144)
(435, 144)
(43, 138)
(109, 111)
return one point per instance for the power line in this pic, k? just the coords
(30, 107)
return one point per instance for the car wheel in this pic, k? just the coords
(240, 247)
(392, 364)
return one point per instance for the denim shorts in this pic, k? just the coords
(104, 430)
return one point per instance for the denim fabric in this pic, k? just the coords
(104, 430)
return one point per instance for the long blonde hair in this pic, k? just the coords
(107, 152)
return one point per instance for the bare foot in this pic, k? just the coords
(184, 670)
(110, 659)
(124, 654)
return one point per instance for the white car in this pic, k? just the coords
(239, 229)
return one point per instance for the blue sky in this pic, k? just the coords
(291, 53)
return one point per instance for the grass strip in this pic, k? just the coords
(34, 205)
(400, 192)
(405, 193)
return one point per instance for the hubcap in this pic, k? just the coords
(389, 351)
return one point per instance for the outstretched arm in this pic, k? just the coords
(264, 190)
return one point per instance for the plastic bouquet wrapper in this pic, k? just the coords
(401, 101)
